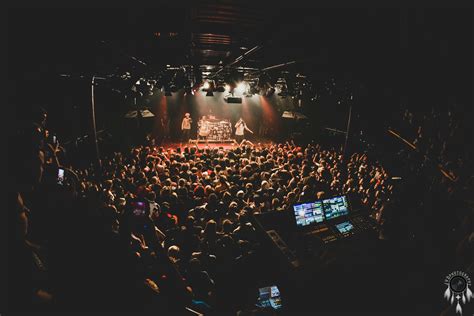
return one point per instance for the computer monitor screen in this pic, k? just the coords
(308, 213)
(344, 227)
(269, 297)
(335, 207)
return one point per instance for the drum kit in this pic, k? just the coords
(214, 129)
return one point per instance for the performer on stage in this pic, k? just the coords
(203, 130)
(186, 126)
(240, 128)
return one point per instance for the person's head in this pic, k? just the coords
(107, 197)
(108, 184)
(223, 180)
(226, 197)
(151, 196)
(275, 203)
(233, 207)
(174, 253)
(199, 191)
(212, 200)
(240, 194)
(249, 187)
(227, 226)
(244, 246)
(208, 190)
(187, 115)
(189, 222)
(210, 229)
(194, 265)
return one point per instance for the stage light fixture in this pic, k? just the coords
(253, 90)
(166, 90)
(270, 92)
(263, 81)
(187, 91)
(232, 99)
(241, 87)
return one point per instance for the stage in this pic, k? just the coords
(202, 141)
(201, 144)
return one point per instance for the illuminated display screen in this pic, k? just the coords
(269, 297)
(344, 227)
(308, 213)
(335, 207)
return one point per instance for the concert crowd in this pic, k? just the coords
(164, 228)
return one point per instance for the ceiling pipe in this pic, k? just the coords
(238, 59)
(123, 53)
(279, 65)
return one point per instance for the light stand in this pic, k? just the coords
(348, 127)
(94, 126)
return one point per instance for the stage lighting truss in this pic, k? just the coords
(234, 82)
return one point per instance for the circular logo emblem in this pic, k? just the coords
(458, 291)
(458, 284)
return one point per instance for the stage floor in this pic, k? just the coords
(203, 145)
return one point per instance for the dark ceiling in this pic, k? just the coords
(209, 33)
(389, 46)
